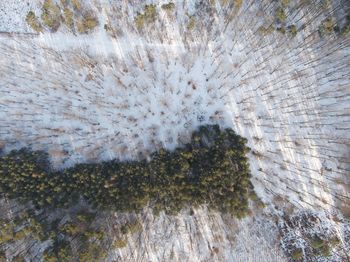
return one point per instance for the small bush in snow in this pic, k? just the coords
(168, 7)
(148, 16)
(51, 15)
(34, 22)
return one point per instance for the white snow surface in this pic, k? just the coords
(96, 97)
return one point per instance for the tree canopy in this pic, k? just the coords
(212, 169)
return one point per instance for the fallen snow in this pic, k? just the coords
(92, 97)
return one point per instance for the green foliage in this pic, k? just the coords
(238, 4)
(87, 23)
(20, 228)
(325, 250)
(71, 229)
(94, 234)
(321, 246)
(326, 27)
(345, 30)
(150, 12)
(297, 254)
(37, 227)
(224, 2)
(33, 22)
(148, 16)
(51, 15)
(25, 175)
(140, 21)
(6, 232)
(131, 227)
(285, 3)
(70, 12)
(213, 169)
(2, 256)
(107, 27)
(18, 258)
(169, 6)
(92, 253)
(68, 17)
(335, 241)
(325, 4)
(61, 251)
(191, 23)
(253, 196)
(260, 204)
(85, 217)
(49, 257)
(280, 15)
(265, 30)
(281, 30)
(317, 242)
(76, 5)
(120, 243)
(292, 30)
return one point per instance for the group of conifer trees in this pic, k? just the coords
(212, 169)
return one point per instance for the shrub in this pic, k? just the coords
(265, 30)
(51, 15)
(317, 242)
(325, 3)
(191, 23)
(68, 17)
(321, 246)
(334, 241)
(285, 2)
(88, 23)
(85, 217)
(120, 243)
(280, 15)
(76, 5)
(18, 258)
(107, 27)
(2, 256)
(238, 3)
(260, 204)
(131, 227)
(140, 21)
(49, 257)
(168, 7)
(325, 250)
(297, 254)
(326, 26)
(292, 30)
(60, 251)
(148, 16)
(345, 30)
(281, 30)
(33, 22)
(90, 234)
(92, 253)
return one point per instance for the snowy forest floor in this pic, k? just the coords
(124, 93)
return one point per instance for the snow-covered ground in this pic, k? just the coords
(92, 97)
(13, 13)
(203, 236)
